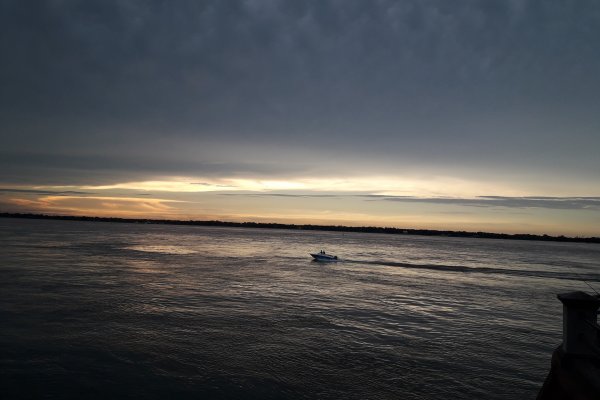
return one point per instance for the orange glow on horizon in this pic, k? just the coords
(305, 201)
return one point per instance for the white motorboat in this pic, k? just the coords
(322, 256)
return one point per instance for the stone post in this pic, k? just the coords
(580, 315)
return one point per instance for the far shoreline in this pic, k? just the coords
(311, 227)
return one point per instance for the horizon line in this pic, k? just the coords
(330, 228)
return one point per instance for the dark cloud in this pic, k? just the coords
(45, 192)
(438, 83)
(557, 203)
(50, 169)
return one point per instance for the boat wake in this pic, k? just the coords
(484, 270)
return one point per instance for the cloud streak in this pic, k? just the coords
(45, 192)
(555, 203)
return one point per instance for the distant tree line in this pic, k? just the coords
(310, 227)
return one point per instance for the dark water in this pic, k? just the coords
(98, 310)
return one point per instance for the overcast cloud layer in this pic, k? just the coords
(109, 90)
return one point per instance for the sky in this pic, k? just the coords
(461, 115)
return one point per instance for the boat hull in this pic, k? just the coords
(324, 257)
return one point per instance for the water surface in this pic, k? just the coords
(98, 310)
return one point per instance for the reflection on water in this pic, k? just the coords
(161, 249)
(100, 310)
